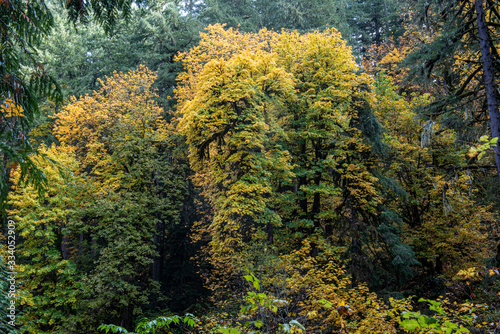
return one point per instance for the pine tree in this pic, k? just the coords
(251, 16)
(450, 60)
(78, 57)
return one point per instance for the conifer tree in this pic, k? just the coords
(453, 60)
(78, 57)
(251, 16)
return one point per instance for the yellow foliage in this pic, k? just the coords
(241, 93)
(442, 220)
(39, 221)
(11, 109)
(123, 110)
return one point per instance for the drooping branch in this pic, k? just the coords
(489, 77)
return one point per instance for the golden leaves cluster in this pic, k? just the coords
(123, 110)
(11, 109)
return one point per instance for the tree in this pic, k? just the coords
(436, 203)
(46, 263)
(490, 84)
(22, 80)
(283, 142)
(251, 16)
(228, 122)
(23, 25)
(106, 13)
(139, 182)
(453, 59)
(373, 22)
(79, 57)
(332, 138)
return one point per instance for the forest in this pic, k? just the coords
(249, 166)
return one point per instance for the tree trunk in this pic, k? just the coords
(386, 13)
(270, 233)
(158, 240)
(159, 236)
(303, 181)
(94, 240)
(80, 251)
(489, 78)
(316, 208)
(64, 245)
(355, 248)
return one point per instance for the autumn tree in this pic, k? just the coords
(284, 144)
(23, 77)
(126, 150)
(46, 260)
(333, 139)
(435, 202)
(228, 120)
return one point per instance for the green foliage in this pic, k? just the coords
(373, 22)
(415, 322)
(152, 326)
(403, 256)
(105, 12)
(257, 305)
(5, 327)
(251, 16)
(23, 80)
(47, 277)
(78, 57)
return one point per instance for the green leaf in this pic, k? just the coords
(285, 328)
(297, 324)
(410, 324)
(450, 325)
(326, 303)
(262, 296)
